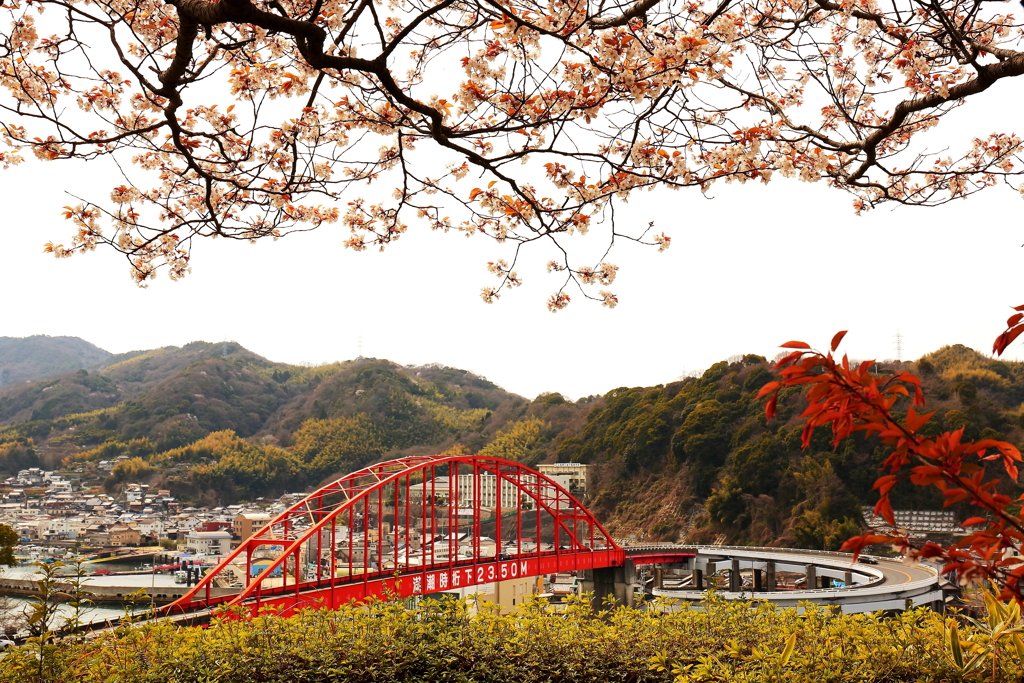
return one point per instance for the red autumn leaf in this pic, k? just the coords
(883, 508)
(915, 421)
(954, 496)
(787, 359)
(855, 400)
(1006, 338)
(885, 484)
(858, 543)
(795, 345)
(769, 410)
(837, 339)
(768, 388)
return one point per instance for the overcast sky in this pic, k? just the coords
(748, 270)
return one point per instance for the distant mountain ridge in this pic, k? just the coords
(694, 459)
(119, 378)
(37, 357)
(216, 422)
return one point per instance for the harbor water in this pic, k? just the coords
(13, 606)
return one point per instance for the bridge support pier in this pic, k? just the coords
(758, 584)
(614, 581)
(698, 580)
(735, 580)
(811, 573)
(769, 575)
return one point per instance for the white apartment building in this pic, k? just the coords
(61, 527)
(136, 493)
(438, 487)
(485, 487)
(58, 486)
(209, 543)
(149, 526)
(571, 476)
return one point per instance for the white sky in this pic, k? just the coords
(751, 269)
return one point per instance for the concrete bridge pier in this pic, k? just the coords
(615, 581)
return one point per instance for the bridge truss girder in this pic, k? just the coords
(347, 519)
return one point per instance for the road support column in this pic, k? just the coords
(614, 581)
(811, 572)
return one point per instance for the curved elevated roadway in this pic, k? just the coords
(832, 579)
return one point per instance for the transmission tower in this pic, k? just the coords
(899, 346)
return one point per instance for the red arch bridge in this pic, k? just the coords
(406, 527)
(431, 524)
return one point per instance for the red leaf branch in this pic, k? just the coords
(852, 400)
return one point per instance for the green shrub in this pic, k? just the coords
(443, 641)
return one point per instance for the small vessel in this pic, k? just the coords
(180, 576)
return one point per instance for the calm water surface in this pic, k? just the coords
(94, 612)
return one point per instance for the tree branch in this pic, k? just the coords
(637, 10)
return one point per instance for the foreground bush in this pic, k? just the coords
(442, 641)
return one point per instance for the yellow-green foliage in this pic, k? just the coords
(135, 359)
(455, 419)
(112, 449)
(239, 468)
(337, 445)
(441, 641)
(515, 442)
(132, 469)
(980, 375)
(213, 446)
(958, 363)
(75, 419)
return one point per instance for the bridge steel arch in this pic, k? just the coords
(356, 537)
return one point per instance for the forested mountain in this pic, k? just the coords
(692, 459)
(120, 377)
(30, 358)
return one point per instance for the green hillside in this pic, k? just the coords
(121, 377)
(693, 459)
(698, 460)
(24, 359)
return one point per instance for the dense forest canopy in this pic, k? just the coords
(694, 458)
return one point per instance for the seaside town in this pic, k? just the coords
(55, 513)
(56, 518)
